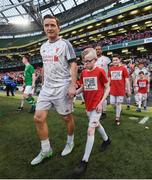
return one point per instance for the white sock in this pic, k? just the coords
(118, 110)
(128, 101)
(70, 139)
(136, 98)
(88, 148)
(102, 132)
(139, 104)
(22, 102)
(145, 103)
(139, 100)
(45, 145)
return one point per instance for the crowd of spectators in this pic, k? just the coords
(15, 61)
(130, 36)
(126, 37)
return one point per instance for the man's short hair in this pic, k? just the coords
(90, 51)
(49, 16)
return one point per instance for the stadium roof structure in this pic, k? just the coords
(15, 12)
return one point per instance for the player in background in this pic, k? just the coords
(142, 88)
(59, 87)
(103, 62)
(28, 85)
(95, 87)
(135, 75)
(119, 80)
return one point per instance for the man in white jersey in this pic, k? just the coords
(59, 87)
(103, 62)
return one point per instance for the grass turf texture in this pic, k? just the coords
(128, 156)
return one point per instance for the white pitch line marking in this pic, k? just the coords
(133, 118)
(144, 120)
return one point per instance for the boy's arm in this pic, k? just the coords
(106, 93)
(78, 91)
(128, 86)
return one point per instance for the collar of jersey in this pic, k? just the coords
(55, 40)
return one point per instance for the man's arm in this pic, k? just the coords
(72, 88)
(42, 73)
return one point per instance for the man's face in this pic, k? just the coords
(51, 28)
(141, 66)
(115, 61)
(98, 51)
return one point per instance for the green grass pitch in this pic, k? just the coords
(128, 156)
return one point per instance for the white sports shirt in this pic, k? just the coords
(56, 57)
(103, 62)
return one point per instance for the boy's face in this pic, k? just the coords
(89, 62)
(141, 76)
(116, 61)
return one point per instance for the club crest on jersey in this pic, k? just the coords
(90, 83)
(116, 75)
(56, 58)
(56, 50)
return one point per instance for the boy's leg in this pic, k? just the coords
(94, 118)
(89, 143)
(113, 101)
(128, 101)
(118, 110)
(119, 101)
(145, 101)
(139, 102)
(136, 98)
(102, 132)
(104, 110)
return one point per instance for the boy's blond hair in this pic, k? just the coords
(89, 51)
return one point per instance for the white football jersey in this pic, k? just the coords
(103, 62)
(56, 57)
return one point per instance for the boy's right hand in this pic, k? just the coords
(99, 108)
